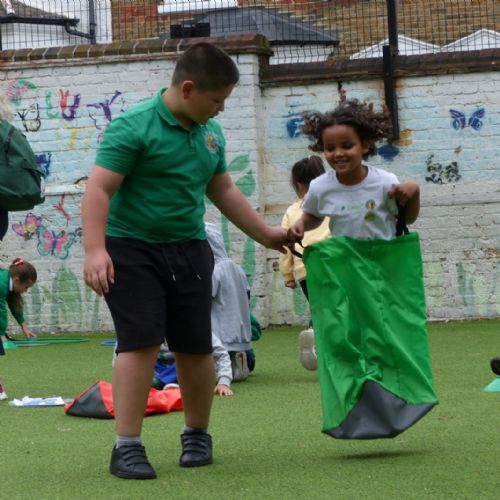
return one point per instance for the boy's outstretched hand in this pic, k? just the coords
(276, 238)
(295, 234)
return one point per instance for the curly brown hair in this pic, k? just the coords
(370, 125)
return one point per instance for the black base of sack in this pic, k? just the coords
(378, 414)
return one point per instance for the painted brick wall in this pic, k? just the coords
(65, 105)
(63, 110)
(454, 157)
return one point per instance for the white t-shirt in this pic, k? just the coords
(363, 211)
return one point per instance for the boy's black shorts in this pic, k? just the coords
(161, 291)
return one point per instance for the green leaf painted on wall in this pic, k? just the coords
(239, 163)
(248, 263)
(68, 299)
(94, 324)
(35, 311)
(246, 184)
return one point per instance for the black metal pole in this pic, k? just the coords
(392, 23)
(92, 23)
(388, 53)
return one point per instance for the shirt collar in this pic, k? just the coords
(166, 114)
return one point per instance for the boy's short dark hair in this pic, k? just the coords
(209, 67)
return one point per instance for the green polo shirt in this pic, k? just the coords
(166, 168)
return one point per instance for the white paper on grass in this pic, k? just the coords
(27, 401)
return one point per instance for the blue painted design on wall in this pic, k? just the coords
(388, 152)
(459, 120)
(293, 125)
(44, 159)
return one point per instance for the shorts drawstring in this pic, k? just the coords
(191, 264)
(169, 265)
(186, 256)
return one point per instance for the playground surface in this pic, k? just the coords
(267, 437)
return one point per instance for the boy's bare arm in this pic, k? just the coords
(232, 203)
(98, 269)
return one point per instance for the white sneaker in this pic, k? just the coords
(239, 365)
(307, 350)
(170, 386)
(3, 395)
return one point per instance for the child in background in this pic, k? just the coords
(292, 267)
(15, 281)
(165, 373)
(231, 324)
(230, 314)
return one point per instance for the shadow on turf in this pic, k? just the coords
(379, 454)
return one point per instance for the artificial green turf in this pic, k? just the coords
(267, 439)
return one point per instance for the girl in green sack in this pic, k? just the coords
(371, 336)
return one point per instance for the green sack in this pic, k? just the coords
(368, 307)
(22, 183)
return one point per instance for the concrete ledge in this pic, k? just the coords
(363, 69)
(234, 44)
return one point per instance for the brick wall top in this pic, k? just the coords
(234, 44)
(404, 66)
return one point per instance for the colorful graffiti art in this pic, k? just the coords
(54, 243)
(44, 159)
(29, 227)
(460, 121)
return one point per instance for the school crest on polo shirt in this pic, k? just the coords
(212, 141)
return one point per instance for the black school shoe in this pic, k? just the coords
(495, 366)
(130, 462)
(196, 449)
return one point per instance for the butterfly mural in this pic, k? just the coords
(30, 118)
(29, 227)
(54, 243)
(459, 120)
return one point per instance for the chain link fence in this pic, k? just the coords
(298, 31)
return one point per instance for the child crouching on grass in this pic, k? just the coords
(14, 281)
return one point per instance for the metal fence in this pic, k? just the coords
(298, 31)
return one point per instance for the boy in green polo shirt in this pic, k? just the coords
(146, 249)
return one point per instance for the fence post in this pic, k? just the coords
(388, 53)
(92, 23)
